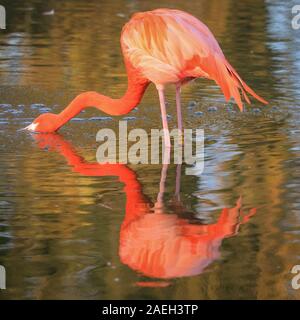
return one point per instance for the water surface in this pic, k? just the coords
(71, 228)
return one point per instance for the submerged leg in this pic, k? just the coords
(161, 94)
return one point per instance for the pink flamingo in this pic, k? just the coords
(162, 46)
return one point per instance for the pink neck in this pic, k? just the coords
(135, 91)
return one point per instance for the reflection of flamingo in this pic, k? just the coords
(158, 244)
(161, 46)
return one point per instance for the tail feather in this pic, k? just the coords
(231, 84)
(243, 86)
(246, 97)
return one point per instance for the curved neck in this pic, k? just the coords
(134, 93)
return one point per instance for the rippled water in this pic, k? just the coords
(71, 228)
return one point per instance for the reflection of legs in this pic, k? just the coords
(178, 182)
(161, 94)
(163, 177)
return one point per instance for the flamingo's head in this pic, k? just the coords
(45, 123)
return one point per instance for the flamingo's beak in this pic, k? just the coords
(31, 127)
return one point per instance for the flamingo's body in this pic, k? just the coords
(163, 46)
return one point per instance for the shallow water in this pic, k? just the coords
(71, 228)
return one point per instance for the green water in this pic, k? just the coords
(66, 230)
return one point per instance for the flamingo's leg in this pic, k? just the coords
(161, 94)
(178, 108)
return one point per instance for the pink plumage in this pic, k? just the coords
(171, 46)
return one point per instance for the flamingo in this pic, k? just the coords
(163, 46)
(154, 242)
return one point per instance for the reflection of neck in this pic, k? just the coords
(136, 202)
